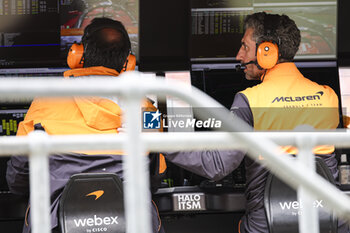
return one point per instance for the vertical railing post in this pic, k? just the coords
(308, 214)
(39, 182)
(136, 187)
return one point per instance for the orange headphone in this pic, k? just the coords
(75, 58)
(267, 50)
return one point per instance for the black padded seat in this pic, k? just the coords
(92, 203)
(282, 207)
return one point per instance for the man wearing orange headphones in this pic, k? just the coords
(105, 51)
(282, 101)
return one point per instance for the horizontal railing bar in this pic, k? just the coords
(297, 175)
(165, 141)
(309, 178)
(16, 88)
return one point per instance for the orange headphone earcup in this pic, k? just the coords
(267, 55)
(75, 56)
(130, 63)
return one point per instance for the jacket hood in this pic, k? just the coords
(98, 113)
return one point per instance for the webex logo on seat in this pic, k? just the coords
(295, 207)
(96, 221)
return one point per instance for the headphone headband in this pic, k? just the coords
(267, 49)
(75, 58)
(76, 53)
(271, 23)
(91, 29)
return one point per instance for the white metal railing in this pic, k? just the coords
(133, 86)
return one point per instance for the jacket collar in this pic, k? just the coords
(95, 70)
(285, 69)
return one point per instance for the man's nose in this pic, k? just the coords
(239, 56)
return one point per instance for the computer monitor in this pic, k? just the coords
(343, 45)
(217, 27)
(33, 72)
(10, 118)
(37, 33)
(75, 15)
(344, 79)
(164, 35)
(29, 33)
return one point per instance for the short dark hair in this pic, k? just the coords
(102, 50)
(285, 32)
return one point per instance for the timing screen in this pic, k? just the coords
(77, 14)
(217, 26)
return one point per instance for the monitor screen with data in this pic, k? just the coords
(217, 26)
(29, 33)
(75, 15)
(39, 33)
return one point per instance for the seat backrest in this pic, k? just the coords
(282, 207)
(92, 203)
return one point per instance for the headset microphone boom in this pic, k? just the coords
(242, 66)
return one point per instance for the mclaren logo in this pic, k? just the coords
(97, 194)
(317, 96)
